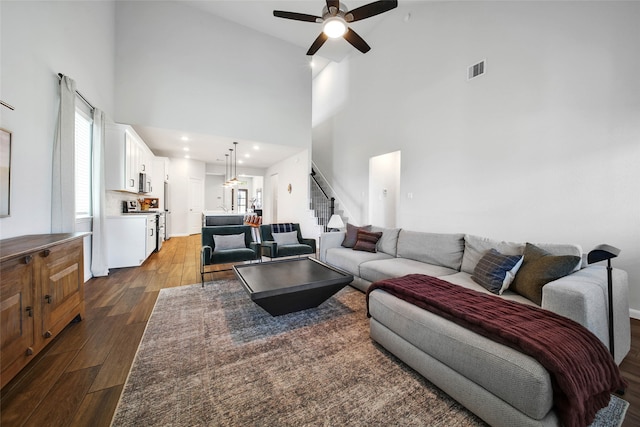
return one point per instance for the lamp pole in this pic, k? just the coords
(610, 291)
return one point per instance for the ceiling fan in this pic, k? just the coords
(335, 17)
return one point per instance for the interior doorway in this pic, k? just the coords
(196, 205)
(384, 189)
(274, 198)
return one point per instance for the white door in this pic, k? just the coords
(196, 205)
(384, 189)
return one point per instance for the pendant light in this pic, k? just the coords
(234, 180)
(226, 167)
(229, 182)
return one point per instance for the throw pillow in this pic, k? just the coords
(223, 242)
(351, 236)
(366, 241)
(282, 239)
(496, 271)
(539, 268)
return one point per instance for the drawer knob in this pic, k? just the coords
(28, 259)
(47, 298)
(48, 334)
(29, 310)
(29, 351)
(46, 253)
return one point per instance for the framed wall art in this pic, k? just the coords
(5, 172)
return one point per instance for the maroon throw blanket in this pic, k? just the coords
(582, 371)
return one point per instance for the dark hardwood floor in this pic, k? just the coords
(78, 378)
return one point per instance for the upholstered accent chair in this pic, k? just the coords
(226, 244)
(282, 240)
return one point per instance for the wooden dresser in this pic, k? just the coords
(41, 291)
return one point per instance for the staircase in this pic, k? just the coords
(323, 201)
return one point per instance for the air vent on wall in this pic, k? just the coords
(476, 70)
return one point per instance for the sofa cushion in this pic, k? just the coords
(563, 249)
(349, 260)
(538, 269)
(388, 243)
(351, 235)
(396, 267)
(496, 271)
(367, 241)
(432, 248)
(223, 242)
(295, 249)
(475, 247)
(512, 376)
(464, 279)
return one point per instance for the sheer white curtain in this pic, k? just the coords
(63, 202)
(99, 265)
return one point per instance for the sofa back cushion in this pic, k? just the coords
(388, 243)
(475, 247)
(432, 248)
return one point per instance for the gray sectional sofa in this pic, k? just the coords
(499, 384)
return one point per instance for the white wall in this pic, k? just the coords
(180, 68)
(544, 147)
(40, 39)
(292, 206)
(213, 194)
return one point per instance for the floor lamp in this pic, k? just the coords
(601, 253)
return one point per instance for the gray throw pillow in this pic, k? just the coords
(223, 242)
(289, 238)
(539, 267)
(351, 236)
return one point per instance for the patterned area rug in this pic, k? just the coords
(213, 357)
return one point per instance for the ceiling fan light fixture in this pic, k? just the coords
(334, 27)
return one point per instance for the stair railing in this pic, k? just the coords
(322, 205)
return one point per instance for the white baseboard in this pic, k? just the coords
(634, 314)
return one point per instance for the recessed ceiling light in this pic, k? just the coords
(255, 147)
(240, 161)
(186, 156)
(184, 138)
(247, 155)
(185, 148)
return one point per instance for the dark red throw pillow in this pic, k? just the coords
(351, 236)
(366, 241)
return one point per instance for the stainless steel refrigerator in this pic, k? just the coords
(167, 211)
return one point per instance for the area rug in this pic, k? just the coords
(212, 357)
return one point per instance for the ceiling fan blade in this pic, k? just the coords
(357, 41)
(296, 16)
(317, 44)
(336, 6)
(371, 9)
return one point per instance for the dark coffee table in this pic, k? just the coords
(286, 286)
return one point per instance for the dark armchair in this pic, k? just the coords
(272, 249)
(226, 244)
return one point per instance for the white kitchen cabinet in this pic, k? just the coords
(131, 239)
(151, 234)
(126, 157)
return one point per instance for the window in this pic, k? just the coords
(83, 136)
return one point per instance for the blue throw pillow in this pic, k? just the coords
(496, 271)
